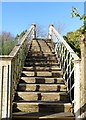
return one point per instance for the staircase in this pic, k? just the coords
(42, 91)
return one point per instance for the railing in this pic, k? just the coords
(10, 71)
(70, 65)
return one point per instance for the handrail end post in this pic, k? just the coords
(77, 88)
(50, 31)
(34, 31)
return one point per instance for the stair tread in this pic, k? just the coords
(48, 68)
(32, 79)
(42, 71)
(43, 84)
(43, 103)
(43, 92)
(40, 77)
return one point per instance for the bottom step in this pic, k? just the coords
(31, 107)
(43, 116)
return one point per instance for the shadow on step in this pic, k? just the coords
(17, 98)
(44, 116)
(37, 74)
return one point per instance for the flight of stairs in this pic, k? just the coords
(42, 92)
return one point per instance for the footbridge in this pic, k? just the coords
(43, 78)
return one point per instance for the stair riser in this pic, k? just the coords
(32, 57)
(49, 74)
(38, 53)
(41, 65)
(35, 118)
(37, 68)
(41, 96)
(42, 108)
(41, 80)
(41, 60)
(28, 87)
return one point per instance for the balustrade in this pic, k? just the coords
(70, 65)
(10, 70)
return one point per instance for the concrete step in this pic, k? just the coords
(41, 92)
(42, 73)
(38, 45)
(41, 60)
(32, 52)
(41, 57)
(52, 68)
(42, 107)
(42, 87)
(41, 80)
(43, 96)
(27, 64)
(43, 116)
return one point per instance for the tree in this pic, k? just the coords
(41, 31)
(7, 43)
(59, 26)
(17, 36)
(72, 39)
(75, 13)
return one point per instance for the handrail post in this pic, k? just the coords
(5, 89)
(34, 31)
(77, 88)
(50, 31)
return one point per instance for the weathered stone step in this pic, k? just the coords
(52, 68)
(32, 52)
(42, 73)
(41, 57)
(42, 107)
(42, 87)
(43, 96)
(43, 116)
(41, 64)
(41, 80)
(41, 60)
(38, 55)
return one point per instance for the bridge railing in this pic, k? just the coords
(70, 65)
(10, 70)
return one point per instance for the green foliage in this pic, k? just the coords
(21, 35)
(17, 36)
(72, 39)
(75, 13)
(7, 43)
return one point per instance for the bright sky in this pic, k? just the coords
(18, 16)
